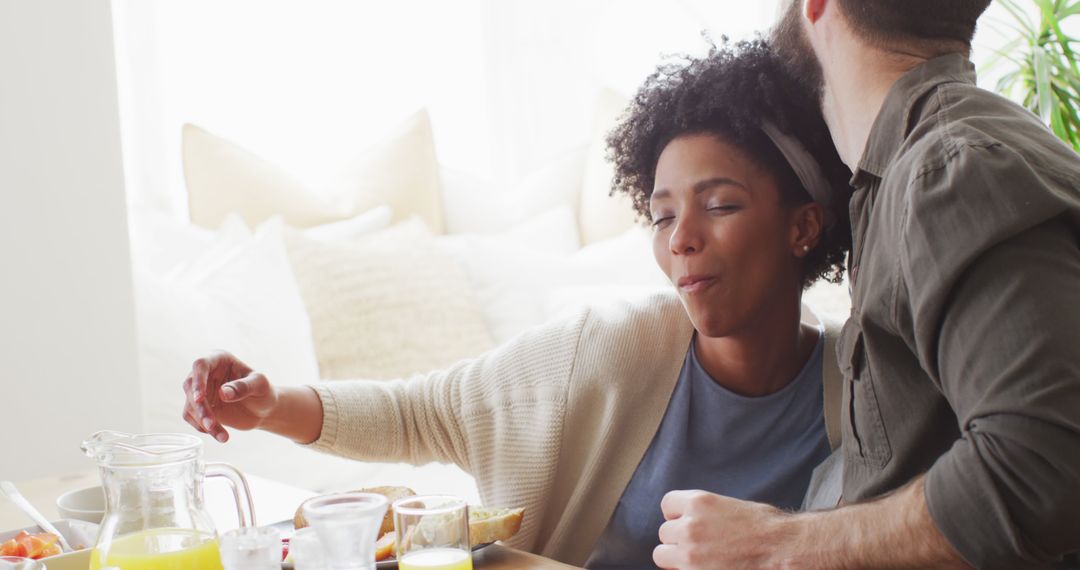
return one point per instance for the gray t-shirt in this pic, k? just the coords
(759, 449)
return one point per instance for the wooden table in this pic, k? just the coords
(273, 502)
(499, 557)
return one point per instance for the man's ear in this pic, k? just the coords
(813, 10)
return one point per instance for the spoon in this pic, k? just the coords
(13, 494)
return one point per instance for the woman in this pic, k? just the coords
(588, 422)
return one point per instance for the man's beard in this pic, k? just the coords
(793, 47)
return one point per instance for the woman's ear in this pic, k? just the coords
(807, 226)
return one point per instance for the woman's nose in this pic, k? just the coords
(686, 237)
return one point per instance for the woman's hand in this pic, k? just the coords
(223, 391)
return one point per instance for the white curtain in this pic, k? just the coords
(510, 84)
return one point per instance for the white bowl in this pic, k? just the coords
(84, 505)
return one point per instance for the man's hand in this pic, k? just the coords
(704, 530)
(223, 391)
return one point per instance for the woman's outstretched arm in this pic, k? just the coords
(223, 392)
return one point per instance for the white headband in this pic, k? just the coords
(806, 169)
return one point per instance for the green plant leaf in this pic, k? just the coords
(1005, 53)
(1071, 127)
(1045, 7)
(1057, 125)
(1074, 83)
(1051, 19)
(1045, 77)
(1042, 85)
(1068, 9)
(1019, 16)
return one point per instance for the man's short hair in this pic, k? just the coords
(889, 22)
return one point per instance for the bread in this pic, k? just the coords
(493, 524)
(486, 525)
(391, 493)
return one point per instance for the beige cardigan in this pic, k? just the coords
(555, 421)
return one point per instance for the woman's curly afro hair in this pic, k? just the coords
(729, 93)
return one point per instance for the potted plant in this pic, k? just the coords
(1043, 74)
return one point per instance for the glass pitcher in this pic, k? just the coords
(154, 517)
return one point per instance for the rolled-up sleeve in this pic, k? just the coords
(1007, 358)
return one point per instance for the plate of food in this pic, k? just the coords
(486, 526)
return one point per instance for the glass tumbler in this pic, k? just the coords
(250, 548)
(347, 526)
(306, 550)
(432, 533)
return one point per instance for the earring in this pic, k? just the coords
(806, 249)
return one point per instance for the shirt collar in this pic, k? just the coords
(895, 120)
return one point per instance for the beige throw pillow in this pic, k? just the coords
(401, 172)
(223, 178)
(601, 215)
(386, 306)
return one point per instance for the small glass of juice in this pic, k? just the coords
(432, 533)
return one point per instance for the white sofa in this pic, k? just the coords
(356, 297)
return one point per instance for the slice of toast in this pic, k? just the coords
(493, 524)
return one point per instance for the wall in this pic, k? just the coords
(67, 338)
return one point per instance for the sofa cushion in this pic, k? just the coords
(400, 172)
(387, 305)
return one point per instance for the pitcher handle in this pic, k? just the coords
(245, 509)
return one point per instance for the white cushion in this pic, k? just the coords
(401, 172)
(622, 267)
(353, 228)
(523, 277)
(239, 295)
(160, 241)
(600, 215)
(477, 206)
(231, 291)
(387, 305)
(511, 273)
(224, 178)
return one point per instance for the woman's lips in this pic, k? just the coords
(695, 283)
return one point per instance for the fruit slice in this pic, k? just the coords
(34, 546)
(13, 548)
(384, 547)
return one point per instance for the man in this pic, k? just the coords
(961, 357)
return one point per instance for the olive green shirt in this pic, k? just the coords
(962, 354)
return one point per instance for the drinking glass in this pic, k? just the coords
(250, 548)
(306, 550)
(18, 563)
(347, 526)
(432, 533)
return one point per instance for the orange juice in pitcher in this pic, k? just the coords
(160, 549)
(155, 518)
